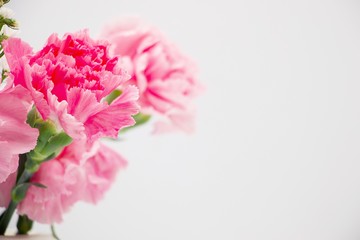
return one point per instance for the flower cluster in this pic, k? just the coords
(56, 104)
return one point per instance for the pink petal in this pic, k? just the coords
(101, 170)
(109, 121)
(5, 189)
(15, 49)
(177, 121)
(16, 136)
(8, 162)
(83, 103)
(47, 205)
(59, 114)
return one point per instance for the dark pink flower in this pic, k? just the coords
(68, 80)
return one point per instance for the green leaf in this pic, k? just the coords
(140, 119)
(113, 95)
(39, 185)
(4, 74)
(11, 23)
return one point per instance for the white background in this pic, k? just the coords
(276, 154)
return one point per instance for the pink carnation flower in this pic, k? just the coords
(68, 80)
(165, 78)
(83, 171)
(16, 136)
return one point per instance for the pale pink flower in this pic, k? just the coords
(165, 77)
(5, 189)
(16, 136)
(68, 80)
(101, 170)
(82, 172)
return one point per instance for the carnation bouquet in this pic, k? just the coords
(58, 103)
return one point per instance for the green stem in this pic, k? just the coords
(22, 177)
(54, 233)
(5, 220)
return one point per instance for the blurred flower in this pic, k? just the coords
(8, 25)
(6, 12)
(2, 2)
(165, 78)
(82, 172)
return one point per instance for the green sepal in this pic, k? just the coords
(50, 142)
(35, 156)
(56, 143)
(35, 159)
(33, 116)
(47, 129)
(19, 192)
(32, 165)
